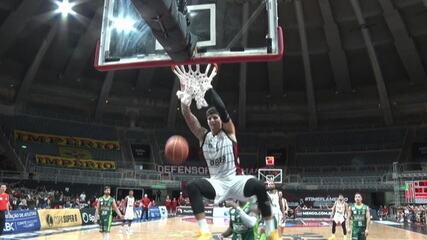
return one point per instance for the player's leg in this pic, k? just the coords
(334, 229)
(362, 235)
(344, 228)
(196, 191)
(354, 233)
(101, 223)
(109, 222)
(255, 187)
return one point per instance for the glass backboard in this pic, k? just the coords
(227, 31)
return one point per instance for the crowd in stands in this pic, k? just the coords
(411, 214)
(23, 198)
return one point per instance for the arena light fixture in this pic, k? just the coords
(65, 7)
(123, 24)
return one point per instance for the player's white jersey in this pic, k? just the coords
(130, 202)
(274, 197)
(275, 205)
(339, 215)
(340, 208)
(220, 153)
(129, 215)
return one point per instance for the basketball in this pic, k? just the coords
(176, 149)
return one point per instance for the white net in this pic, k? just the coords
(194, 83)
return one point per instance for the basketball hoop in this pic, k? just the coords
(194, 83)
(269, 161)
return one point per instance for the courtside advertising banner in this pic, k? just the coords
(21, 221)
(314, 213)
(187, 211)
(56, 218)
(88, 216)
(163, 212)
(221, 212)
(154, 213)
(137, 213)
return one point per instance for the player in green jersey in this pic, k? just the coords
(244, 221)
(360, 218)
(104, 211)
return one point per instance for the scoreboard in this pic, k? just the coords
(416, 192)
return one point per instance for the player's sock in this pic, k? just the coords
(269, 226)
(203, 225)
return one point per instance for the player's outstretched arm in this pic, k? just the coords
(193, 123)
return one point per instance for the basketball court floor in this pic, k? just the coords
(179, 228)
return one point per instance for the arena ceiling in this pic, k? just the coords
(348, 63)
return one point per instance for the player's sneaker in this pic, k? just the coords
(274, 236)
(333, 237)
(204, 236)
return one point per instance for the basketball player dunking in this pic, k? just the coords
(129, 204)
(219, 146)
(339, 211)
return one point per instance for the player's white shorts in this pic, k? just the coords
(231, 187)
(277, 214)
(339, 218)
(129, 215)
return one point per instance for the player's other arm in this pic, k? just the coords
(346, 210)
(229, 231)
(193, 123)
(368, 220)
(349, 214)
(8, 207)
(97, 210)
(116, 209)
(285, 203)
(213, 99)
(249, 220)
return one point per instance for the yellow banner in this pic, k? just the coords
(56, 218)
(76, 153)
(75, 163)
(66, 141)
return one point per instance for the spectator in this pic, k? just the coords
(168, 204)
(158, 196)
(83, 197)
(181, 200)
(152, 204)
(23, 204)
(174, 203)
(145, 202)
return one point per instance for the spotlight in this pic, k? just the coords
(65, 7)
(124, 24)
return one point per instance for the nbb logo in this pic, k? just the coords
(9, 227)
